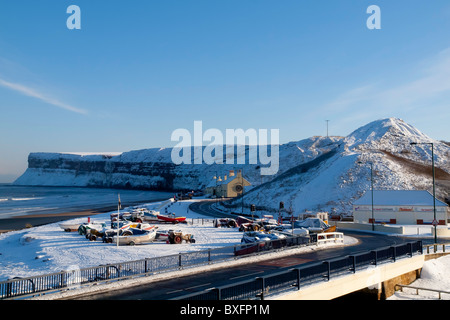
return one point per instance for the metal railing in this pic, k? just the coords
(439, 292)
(436, 247)
(295, 278)
(72, 279)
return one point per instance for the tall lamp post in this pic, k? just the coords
(434, 185)
(371, 188)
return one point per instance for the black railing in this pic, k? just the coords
(66, 280)
(296, 278)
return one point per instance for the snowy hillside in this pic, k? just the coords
(333, 181)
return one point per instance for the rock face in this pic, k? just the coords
(96, 171)
(153, 168)
(318, 173)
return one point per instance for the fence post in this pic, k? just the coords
(354, 263)
(298, 278)
(262, 287)
(394, 253)
(328, 269)
(209, 256)
(61, 284)
(219, 294)
(179, 260)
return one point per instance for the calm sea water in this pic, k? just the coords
(24, 200)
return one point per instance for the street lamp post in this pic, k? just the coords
(434, 185)
(371, 188)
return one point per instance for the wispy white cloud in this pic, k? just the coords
(427, 89)
(39, 95)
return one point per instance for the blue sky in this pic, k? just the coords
(137, 70)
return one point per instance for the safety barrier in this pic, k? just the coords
(296, 278)
(436, 247)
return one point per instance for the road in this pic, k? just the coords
(208, 208)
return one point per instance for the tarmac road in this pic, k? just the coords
(207, 208)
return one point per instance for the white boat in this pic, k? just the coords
(146, 215)
(70, 226)
(294, 232)
(258, 236)
(137, 236)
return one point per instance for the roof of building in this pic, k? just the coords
(399, 198)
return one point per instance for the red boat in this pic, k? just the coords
(171, 218)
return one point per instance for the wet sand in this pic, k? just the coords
(35, 220)
(39, 219)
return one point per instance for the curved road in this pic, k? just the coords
(168, 289)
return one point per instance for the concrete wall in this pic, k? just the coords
(368, 227)
(402, 215)
(442, 231)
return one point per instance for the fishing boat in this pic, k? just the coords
(171, 218)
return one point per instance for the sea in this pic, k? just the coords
(29, 200)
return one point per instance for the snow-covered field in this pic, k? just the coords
(47, 249)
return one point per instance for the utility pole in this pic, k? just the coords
(435, 223)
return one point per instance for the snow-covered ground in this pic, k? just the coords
(434, 276)
(47, 249)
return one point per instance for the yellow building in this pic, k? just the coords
(227, 187)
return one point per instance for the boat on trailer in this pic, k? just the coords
(133, 236)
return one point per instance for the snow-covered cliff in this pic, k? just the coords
(154, 169)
